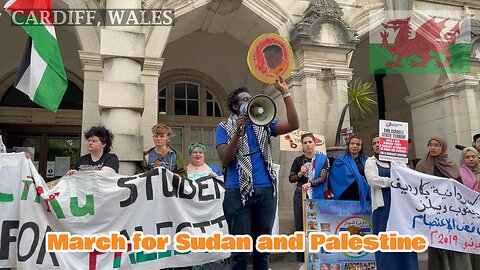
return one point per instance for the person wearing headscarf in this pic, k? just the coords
(377, 173)
(470, 173)
(437, 163)
(470, 169)
(347, 174)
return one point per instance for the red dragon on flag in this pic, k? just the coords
(427, 49)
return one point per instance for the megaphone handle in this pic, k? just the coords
(242, 129)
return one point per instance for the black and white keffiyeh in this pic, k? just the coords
(244, 163)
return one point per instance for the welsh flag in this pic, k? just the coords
(41, 75)
(413, 42)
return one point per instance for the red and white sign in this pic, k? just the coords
(393, 141)
(292, 142)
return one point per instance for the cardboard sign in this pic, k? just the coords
(291, 142)
(269, 56)
(333, 217)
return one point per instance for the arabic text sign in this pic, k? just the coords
(393, 141)
(443, 210)
(291, 142)
(333, 217)
(97, 203)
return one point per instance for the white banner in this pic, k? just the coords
(155, 203)
(444, 211)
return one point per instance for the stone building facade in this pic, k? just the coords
(130, 78)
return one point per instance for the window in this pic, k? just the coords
(72, 99)
(176, 140)
(188, 102)
(186, 99)
(212, 105)
(182, 95)
(162, 101)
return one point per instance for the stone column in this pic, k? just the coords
(449, 109)
(321, 42)
(121, 93)
(150, 75)
(92, 68)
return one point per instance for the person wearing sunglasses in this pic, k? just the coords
(250, 186)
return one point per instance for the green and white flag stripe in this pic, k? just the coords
(42, 74)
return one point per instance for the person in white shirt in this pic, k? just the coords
(377, 173)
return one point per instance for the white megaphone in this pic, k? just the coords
(261, 110)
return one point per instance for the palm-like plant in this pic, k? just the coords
(359, 94)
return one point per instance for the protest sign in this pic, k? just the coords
(393, 141)
(291, 142)
(97, 203)
(443, 210)
(270, 56)
(332, 217)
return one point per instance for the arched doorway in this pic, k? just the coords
(53, 139)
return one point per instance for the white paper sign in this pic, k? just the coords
(50, 169)
(393, 141)
(62, 165)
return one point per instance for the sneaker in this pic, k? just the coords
(301, 266)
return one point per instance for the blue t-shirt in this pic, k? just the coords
(169, 161)
(261, 177)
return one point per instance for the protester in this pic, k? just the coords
(347, 175)
(250, 187)
(99, 143)
(377, 173)
(197, 167)
(470, 169)
(470, 173)
(163, 155)
(476, 141)
(308, 166)
(436, 163)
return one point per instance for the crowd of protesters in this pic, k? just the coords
(250, 179)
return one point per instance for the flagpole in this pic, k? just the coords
(1, 12)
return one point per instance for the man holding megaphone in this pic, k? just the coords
(243, 145)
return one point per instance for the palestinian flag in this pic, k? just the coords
(412, 42)
(41, 75)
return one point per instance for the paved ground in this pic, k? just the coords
(286, 261)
